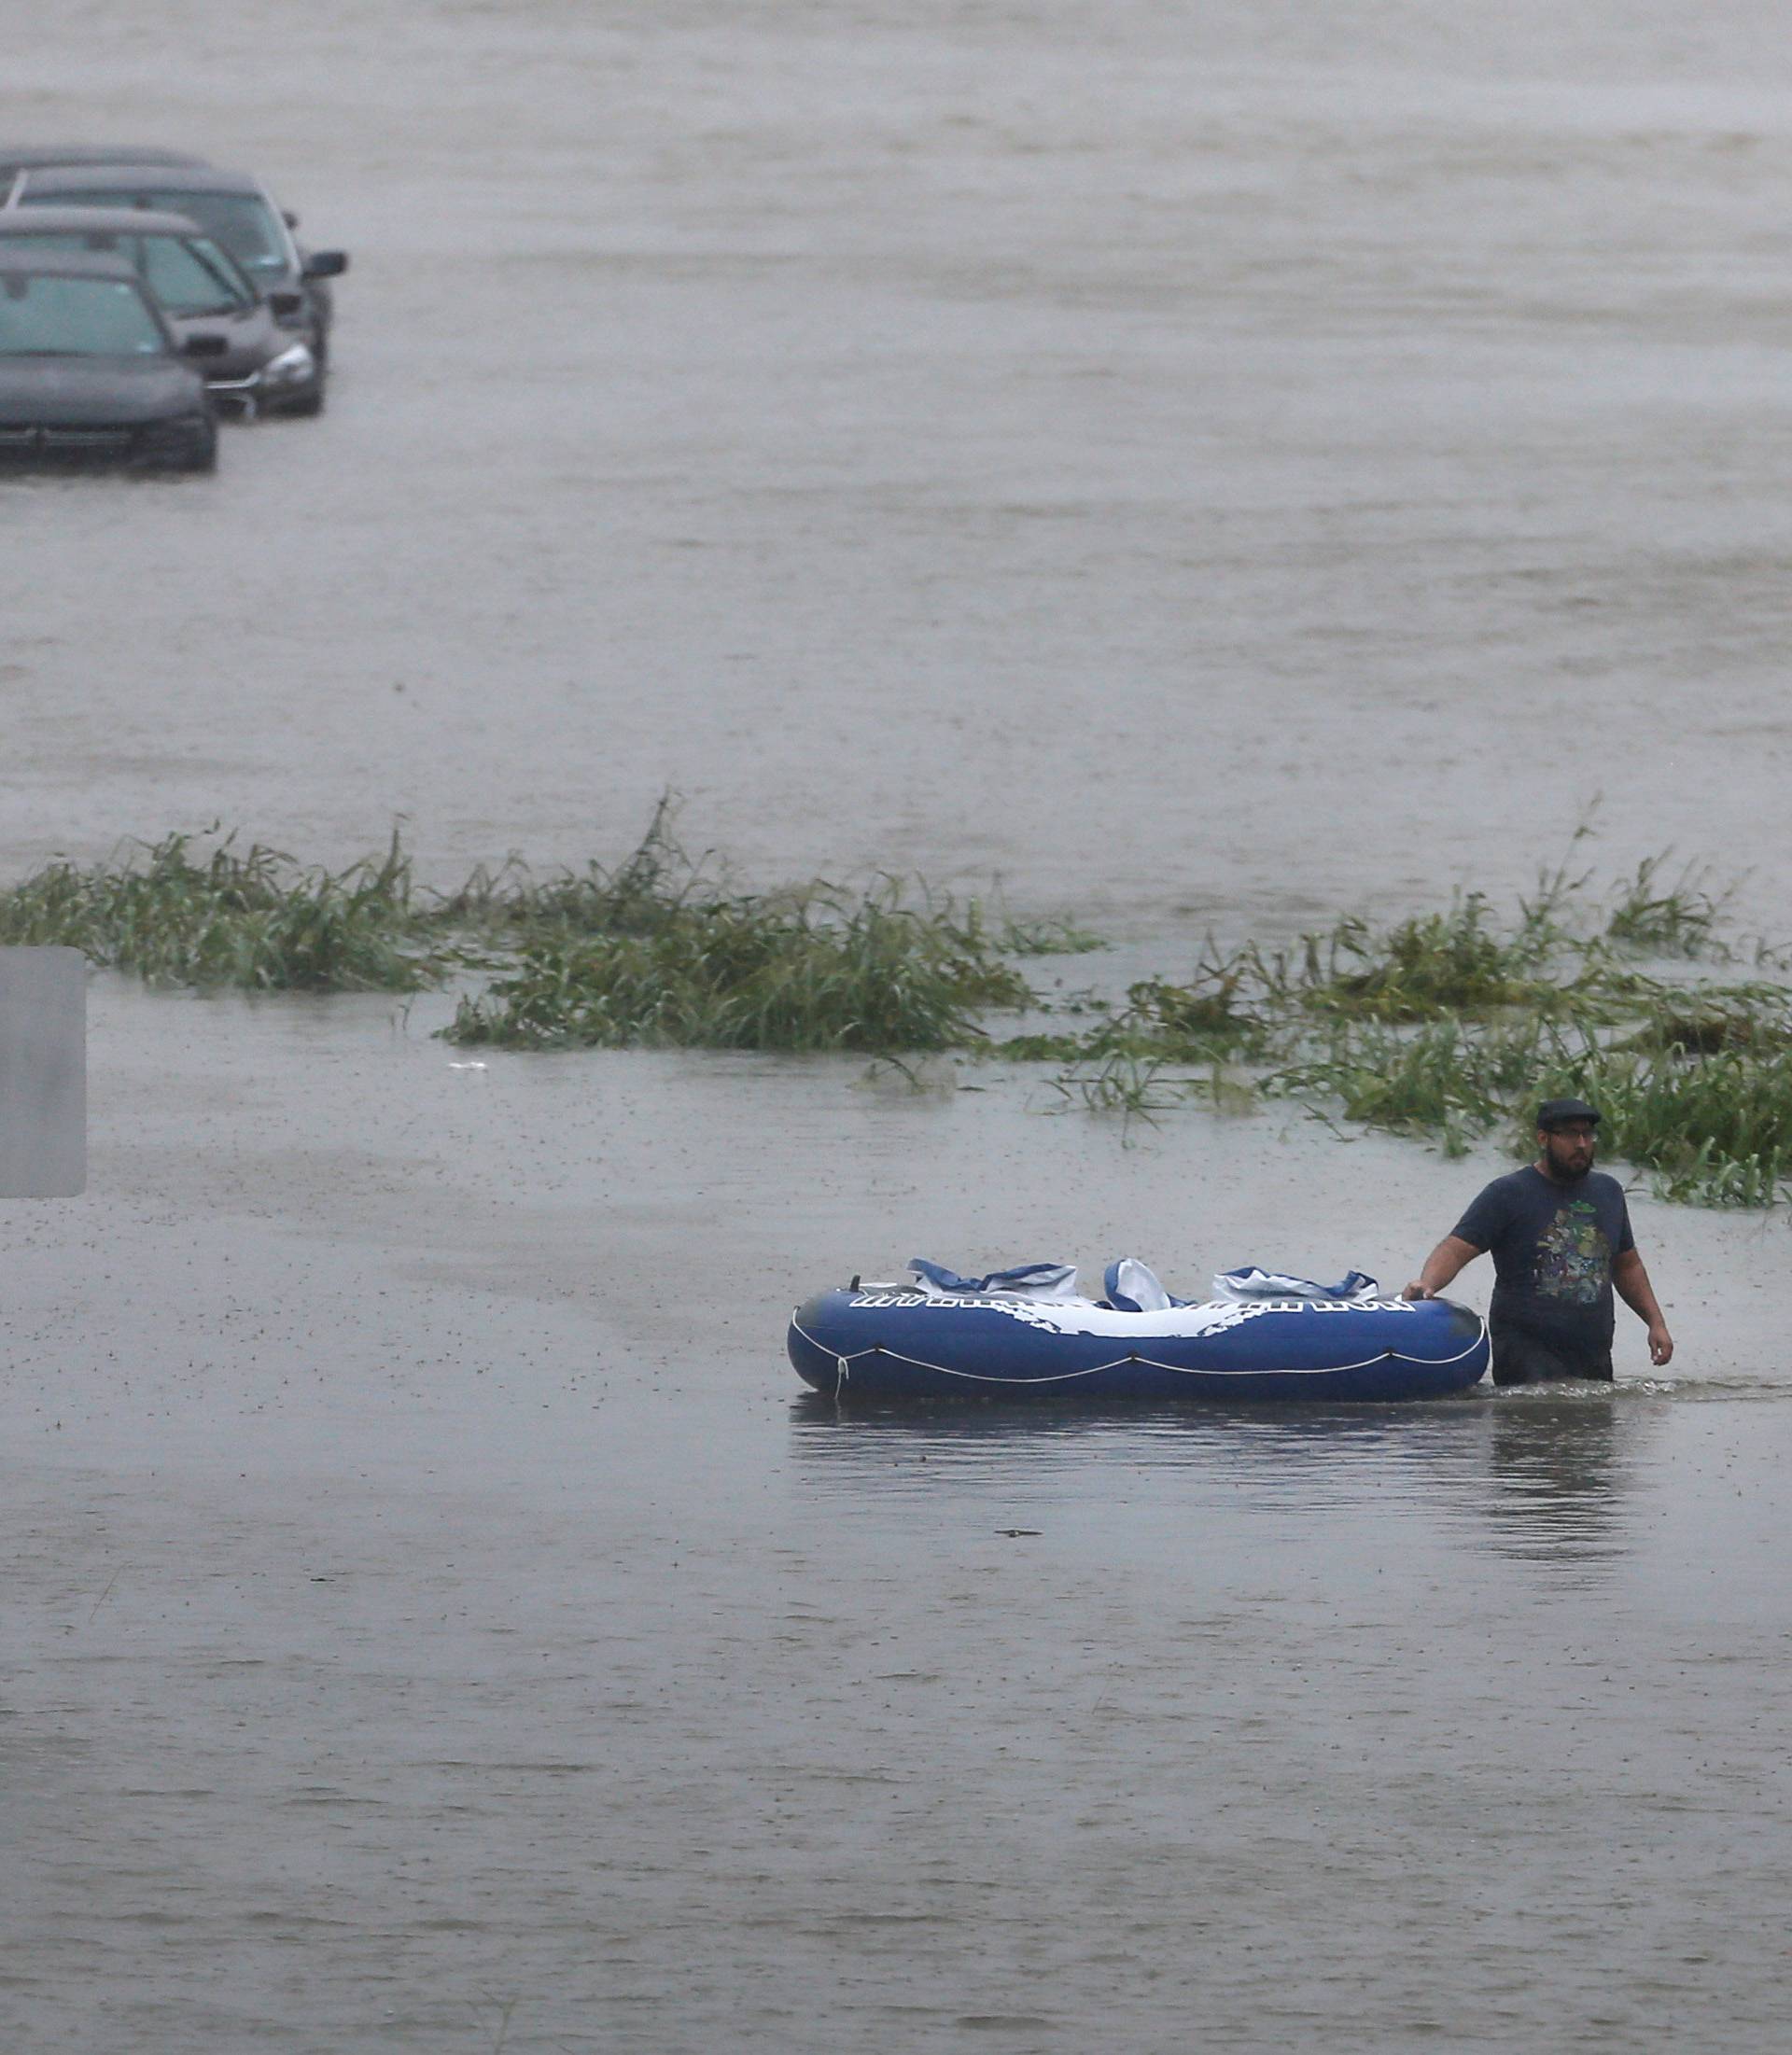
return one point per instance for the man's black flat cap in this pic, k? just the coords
(1558, 1113)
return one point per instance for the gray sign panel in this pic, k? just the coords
(43, 1073)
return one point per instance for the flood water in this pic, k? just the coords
(1214, 466)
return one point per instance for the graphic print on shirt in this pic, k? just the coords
(1574, 1257)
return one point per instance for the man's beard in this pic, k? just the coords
(1567, 1162)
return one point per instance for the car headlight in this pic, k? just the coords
(294, 364)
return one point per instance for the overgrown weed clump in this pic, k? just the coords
(1449, 1025)
(661, 950)
(648, 891)
(820, 969)
(1454, 962)
(1715, 1128)
(1683, 919)
(665, 951)
(1453, 1025)
(256, 918)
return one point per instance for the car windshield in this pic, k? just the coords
(44, 314)
(243, 221)
(189, 275)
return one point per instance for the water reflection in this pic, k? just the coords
(1547, 1478)
(1560, 1470)
(1262, 1456)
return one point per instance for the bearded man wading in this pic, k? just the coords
(1562, 1242)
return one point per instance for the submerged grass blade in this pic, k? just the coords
(1681, 920)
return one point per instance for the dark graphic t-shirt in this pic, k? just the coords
(1553, 1247)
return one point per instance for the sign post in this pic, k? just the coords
(43, 1073)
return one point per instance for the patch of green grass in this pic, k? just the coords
(1682, 919)
(254, 920)
(1450, 1025)
(1455, 1025)
(1716, 1130)
(1448, 963)
(1445, 1078)
(658, 950)
(1713, 1020)
(663, 951)
(648, 892)
(1221, 1010)
(811, 971)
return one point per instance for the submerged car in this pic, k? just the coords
(198, 284)
(232, 207)
(91, 373)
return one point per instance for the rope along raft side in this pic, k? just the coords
(897, 1344)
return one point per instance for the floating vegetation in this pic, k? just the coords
(1716, 1129)
(1221, 1012)
(256, 919)
(1453, 1026)
(647, 893)
(1684, 919)
(663, 951)
(1454, 962)
(815, 970)
(1445, 1079)
(1449, 1026)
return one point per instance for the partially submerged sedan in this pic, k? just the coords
(198, 284)
(90, 371)
(232, 207)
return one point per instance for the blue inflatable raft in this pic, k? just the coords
(894, 1342)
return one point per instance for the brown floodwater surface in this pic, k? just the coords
(433, 1602)
(1203, 466)
(1234, 459)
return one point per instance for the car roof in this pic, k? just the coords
(141, 176)
(65, 263)
(32, 156)
(19, 224)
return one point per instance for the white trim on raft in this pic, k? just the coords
(1174, 1322)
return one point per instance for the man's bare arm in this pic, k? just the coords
(1441, 1265)
(1630, 1282)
